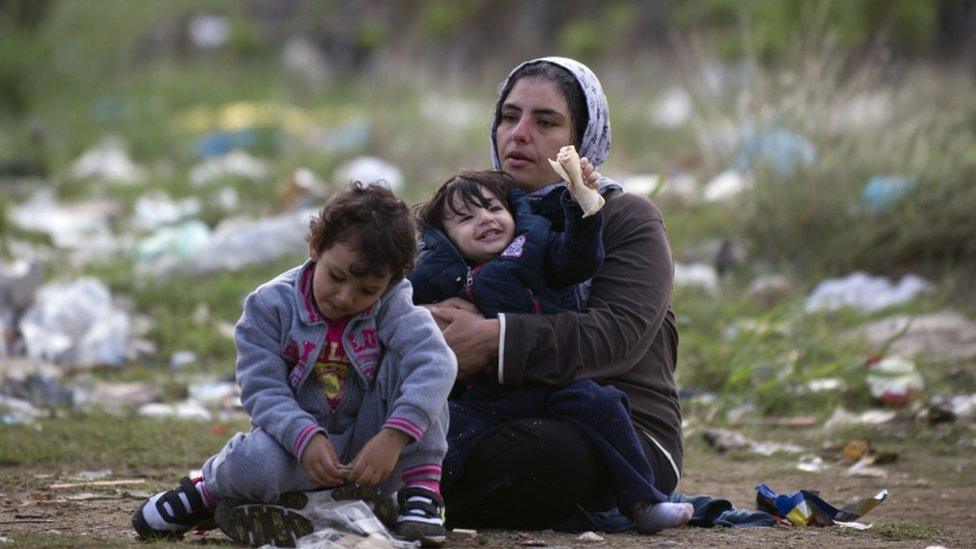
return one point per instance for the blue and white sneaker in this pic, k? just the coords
(421, 517)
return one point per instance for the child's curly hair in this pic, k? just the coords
(469, 186)
(372, 220)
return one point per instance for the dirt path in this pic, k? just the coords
(932, 490)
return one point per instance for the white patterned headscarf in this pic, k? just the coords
(596, 139)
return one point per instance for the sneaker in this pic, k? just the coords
(172, 513)
(282, 523)
(421, 517)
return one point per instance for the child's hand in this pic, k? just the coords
(320, 462)
(591, 177)
(378, 458)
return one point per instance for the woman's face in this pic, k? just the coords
(534, 123)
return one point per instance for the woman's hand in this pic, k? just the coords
(472, 337)
(378, 457)
(591, 177)
(320, 462)
(450, 303)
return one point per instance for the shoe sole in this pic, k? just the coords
(257, 524)
(384, 507)
(415, 532)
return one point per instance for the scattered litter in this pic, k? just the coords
(457, 112)
(855, 449)
(75, 323)
(825, 384)
(726, 185)
(783, 150)
(180, 241)
(697, 275)
(302, 56)
(216, 393)
(114, 397)
(208, 31)
(769, 287)
(345, 524)
(805, 508)
(302, 189)
(722, 440)
(853, 525)
(811, 463)
(346, 138)
(15, 411)
(19, 281)
(863, 469)
(119, 482)
(222, 142)
(183, 358)
(641, 185)
(672, 109)
(180, 410)
(108, 162)
(233, 164)
(943, 335)
(156, 208)
(883, 191)
(864, 292)
(236, 243)
(464, 532)
(943, 409)
(680, 186)
(796, 421)
(894, 380)
(589, 536)
(92, 475)
(369, 170)
(71, 226)
(842, 417)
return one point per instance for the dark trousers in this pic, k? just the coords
(525, 457)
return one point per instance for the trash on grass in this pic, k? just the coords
(589, 536)
(368, 170)
(726, 185)
(233, 164)
(181, 410)
(109, 162)
(783, 150)
(156, 208)
(182, 358)
(672, 109)
(208, 31)
(894, 380)
(811, 463)
(71, 226)
(864, 292)
(302, 189)
(944, 335)
(805, 508)
(75, 323)
(943, 409)
(842, 417)
(723, 440)
(180, 241)
(884, 191)
(697, 275)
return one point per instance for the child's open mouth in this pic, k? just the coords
(490, 234)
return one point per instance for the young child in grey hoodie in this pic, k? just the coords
(346, 383)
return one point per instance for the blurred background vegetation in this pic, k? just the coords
(807, 102)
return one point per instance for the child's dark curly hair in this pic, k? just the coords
(469, 187)
(372, 220)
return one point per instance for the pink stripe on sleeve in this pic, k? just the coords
(406, 426)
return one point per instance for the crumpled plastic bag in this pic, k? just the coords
(75, 324)
(805, 508)
(347, 524)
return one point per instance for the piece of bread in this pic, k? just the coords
(567, 165)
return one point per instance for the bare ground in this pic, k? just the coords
(932, 490)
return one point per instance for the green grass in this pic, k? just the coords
(905, 531)
(101, 441)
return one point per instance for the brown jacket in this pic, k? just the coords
(627, 335)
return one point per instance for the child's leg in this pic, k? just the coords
(253, 466)
(601, 413)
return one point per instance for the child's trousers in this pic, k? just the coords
(254, 466)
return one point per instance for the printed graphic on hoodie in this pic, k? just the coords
(332, 365)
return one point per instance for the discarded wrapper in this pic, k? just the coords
(805, 508)
(567, 165)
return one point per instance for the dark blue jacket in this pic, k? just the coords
(537, 272)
